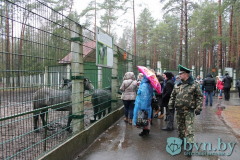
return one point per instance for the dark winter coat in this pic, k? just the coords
(209, 83)
(227, 82)
(238, 84)
(160, 80)
(167, 90)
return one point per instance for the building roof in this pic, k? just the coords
(88, 47)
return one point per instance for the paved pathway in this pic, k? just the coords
(121, 141)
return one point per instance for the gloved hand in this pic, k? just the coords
(197, 112)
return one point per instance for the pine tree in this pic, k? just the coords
(145, 24)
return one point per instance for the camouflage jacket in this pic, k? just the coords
(186, 95)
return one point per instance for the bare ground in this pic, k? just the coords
(231, 117)
(18, 140)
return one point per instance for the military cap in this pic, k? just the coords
(183, 69)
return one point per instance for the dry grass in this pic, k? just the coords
(231, 116)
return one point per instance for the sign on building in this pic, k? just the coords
(124, 55)
(228, 70)
(104, 49)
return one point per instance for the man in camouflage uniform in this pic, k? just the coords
(186, 97)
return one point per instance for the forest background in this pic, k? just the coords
(200, 33)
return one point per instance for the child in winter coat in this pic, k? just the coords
(220, 86)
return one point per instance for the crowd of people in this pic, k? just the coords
(180, 93)
(210, 87)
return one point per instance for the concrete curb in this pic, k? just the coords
(73, 146)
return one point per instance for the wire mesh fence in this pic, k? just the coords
(50, 85)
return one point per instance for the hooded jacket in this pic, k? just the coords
(227, 81)
(209, 83)
(220, 84)
(143, 99)
(129, 86)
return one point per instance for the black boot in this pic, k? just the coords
(147, 131)
(167, 128)
(144, 132)
(166, 119)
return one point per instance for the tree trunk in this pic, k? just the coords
(220, 37)
(175, 56)
(69, 25)
(209, 59)
(7, 50)
(12, 55)
(186, 35)
(95, 25)
(195, 61)
(135, 41)
(168, 59)
(190, 55)
(20, 49)
(230, 37)
(200, 54)
(108, 21)
(210, 50)
(181, 35)
(225, 54)
(154, 55)
(213, 57)
(238, 47)
(204, 56)
(232, 48)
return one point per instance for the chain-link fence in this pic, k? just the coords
(41, 50)
(50, 86)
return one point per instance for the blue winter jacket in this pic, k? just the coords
(143, 99)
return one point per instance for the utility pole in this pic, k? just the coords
(135, 41)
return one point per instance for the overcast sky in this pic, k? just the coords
(154, 7)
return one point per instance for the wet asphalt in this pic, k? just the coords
(122, 142)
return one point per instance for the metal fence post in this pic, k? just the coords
(114, 88)
(77, 79)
